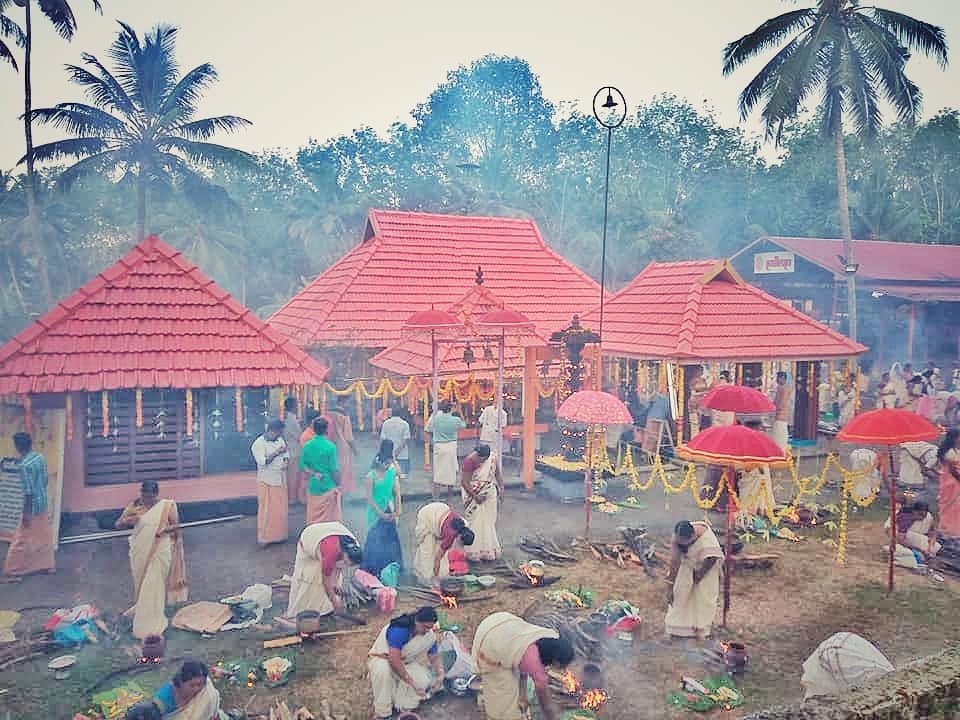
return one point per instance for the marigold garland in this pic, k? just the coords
(138, 403)
(105, 412)
(69, 401)
(238, 408)
(189, 412)
(282, 398)
(27, 414)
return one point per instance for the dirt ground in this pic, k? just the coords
(781, 615)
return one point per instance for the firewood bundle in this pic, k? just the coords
(634, 548)
(546, 550)
(355, 595)
(570, 627)
(26, 649)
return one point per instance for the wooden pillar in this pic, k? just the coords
(530, 398)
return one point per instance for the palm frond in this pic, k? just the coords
(183, 97)
(859, 82)
(206, 128)
(769, 34)
(204, 152)
(915, 34)
(799, 76)
(71, 147)
(96, 163)
(81, 119)
(757, 87)
(833, 93)
(102, 87)
(60, 15)
(887, 58)
(10, 29)
(7, 56)
(124, 53)
(149, 67)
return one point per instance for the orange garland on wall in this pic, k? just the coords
(238, 402)
(28, 413)
(105, 412)
(69, 400)
(139, 403)
(189, 412)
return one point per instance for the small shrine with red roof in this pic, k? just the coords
(162, 376)
(675, 317)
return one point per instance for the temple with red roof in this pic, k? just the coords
(410, 261)
(162, 376)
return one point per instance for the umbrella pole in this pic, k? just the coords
(728, 551)
(587, 485)
(893, 515)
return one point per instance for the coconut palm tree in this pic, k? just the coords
(142, 119)
(9, 30)
(853, 55)
(61, 16)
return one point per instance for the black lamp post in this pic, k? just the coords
(610, 114)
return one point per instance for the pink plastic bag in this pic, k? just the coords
(386, 599)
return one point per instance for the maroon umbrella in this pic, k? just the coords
(737, 448)
(889, 427)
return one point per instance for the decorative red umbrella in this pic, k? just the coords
(889, 427)
(595, 409)
(433, 321)
(737, 399)
(738, 448)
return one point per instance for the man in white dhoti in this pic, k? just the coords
(438, 529)
(404, 663)
(918, 463)
(695, 580)
(444, 426)
(491, 426)
(482, 488)
(321, 553)
(508, 653)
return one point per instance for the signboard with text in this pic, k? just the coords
(773, 262)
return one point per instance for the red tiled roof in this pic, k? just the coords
(703, 310)
(878, 259)
(412, 356)
(152, 320)
(410, 261)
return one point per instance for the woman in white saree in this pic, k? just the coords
(438, 529)
(695, 577)
(190, 695)
(156, 559)
(482, 488)
(321, 552)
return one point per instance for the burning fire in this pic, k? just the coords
(569, 681)
(531, 578)
(449, 601)
(593, 699)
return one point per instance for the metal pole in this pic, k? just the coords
(887, 467)
(500, 348)
(728, 550)
(436, 370)
(603, 241)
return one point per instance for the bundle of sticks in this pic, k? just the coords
(435, 597)
(569, 627)
(26, 649)
(355, 595)
(546, 550)
(633, 548)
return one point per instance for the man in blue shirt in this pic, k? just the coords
(31, 549)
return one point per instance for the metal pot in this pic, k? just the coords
(308, 622)
(153, 647)
(592, 677)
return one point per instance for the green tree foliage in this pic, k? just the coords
(682, 186)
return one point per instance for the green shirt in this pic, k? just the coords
(444, 426)
(319, 458)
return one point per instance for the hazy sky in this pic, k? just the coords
(302, 70)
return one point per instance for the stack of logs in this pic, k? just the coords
(28, 648)
(569, 626)
(633, 548)
(546, 550)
